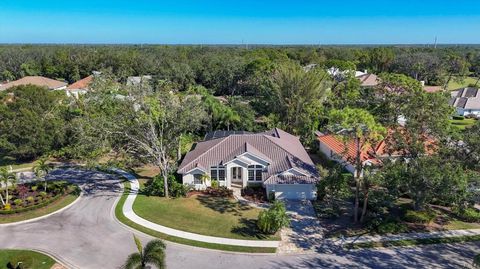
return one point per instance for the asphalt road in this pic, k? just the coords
(87, 235)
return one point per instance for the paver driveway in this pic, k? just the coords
(86, 235)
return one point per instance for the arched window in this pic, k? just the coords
(255, 172)
(217, 173)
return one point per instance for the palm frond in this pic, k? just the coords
(156, 258)
(133, 261)
(154, 246)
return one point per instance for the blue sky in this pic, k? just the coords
(236, 22)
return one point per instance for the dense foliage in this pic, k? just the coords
(273, 219)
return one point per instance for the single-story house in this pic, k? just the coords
(345, 152)
(274, 159)
(49, 83)
(79, 87)
(368, 80)
(466, 101)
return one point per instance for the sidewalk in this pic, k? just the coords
(130, 214)
(404, 236)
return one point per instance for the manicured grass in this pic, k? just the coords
(463, 124)
(413, 242)
(119, 215)
(207, 215)
(454, 85)
(29, 259)
(54, 206)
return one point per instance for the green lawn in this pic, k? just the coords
(29, 259)
(462, 124)
(119, 215)
(214, 216)
(54, 206)
(453, 85)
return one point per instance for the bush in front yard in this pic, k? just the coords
(468, 214)
(221, 191)
(271, 220)
(155, 187)
(423, 217)
(18, 202)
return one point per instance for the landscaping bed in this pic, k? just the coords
(203, 214)
(400, 219)
(28, 259)
(30, 201)
(256, 194)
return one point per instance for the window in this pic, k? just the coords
(255, 172)
(197, 179)
(236, 173)
(217, 173)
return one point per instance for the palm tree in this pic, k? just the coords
(41, 169)
(7, 178)
(153, 253)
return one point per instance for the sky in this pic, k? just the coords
(240, 22)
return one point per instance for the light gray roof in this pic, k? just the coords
(466, 98)
(280, 149)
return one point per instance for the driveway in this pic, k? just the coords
(87, 235)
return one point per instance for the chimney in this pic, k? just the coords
(422, 82)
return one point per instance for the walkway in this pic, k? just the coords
(405, 236)
(130, 214)
(87, 235)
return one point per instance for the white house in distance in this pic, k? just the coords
(49, 83)
(466, 101)
(274, 159)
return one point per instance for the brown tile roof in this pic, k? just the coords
(371, 153)
(81, 84)
(368, 80)
(35, 80)
(280, 149)
(432, 89)
(467, 98)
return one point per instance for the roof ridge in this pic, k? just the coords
(205, 152)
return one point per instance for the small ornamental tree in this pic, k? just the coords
(273, 219)
(359, 126)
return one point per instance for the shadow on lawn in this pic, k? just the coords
(223, 205)
(248, 228)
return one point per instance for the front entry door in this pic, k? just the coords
(236, 173)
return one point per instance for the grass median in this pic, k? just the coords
(119, 215)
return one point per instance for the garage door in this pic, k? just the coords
(294, 192)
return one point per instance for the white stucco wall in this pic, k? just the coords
(332, 156)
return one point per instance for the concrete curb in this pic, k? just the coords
(130, 214)
(44, 216)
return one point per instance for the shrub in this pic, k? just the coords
(43, 194)
(34, 188)
(271, 220)
(468, 214)
(155, 187)
(424, 217)
(30, 199)
(7, 207)
(214, 184)
(476, 261)
(457, 117)
(391, 226)
(18, 202)
(220, 192)
(327, 210)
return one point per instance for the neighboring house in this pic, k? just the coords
(79, 87)
(274, 159)
(466, 101)
(49, 83)
(345, 152)
(132, 81)
(368, 80)
(335, 149)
